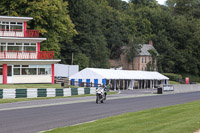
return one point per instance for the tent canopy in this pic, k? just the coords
(96, 73)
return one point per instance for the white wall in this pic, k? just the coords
(32, 79)
(1, 79)
(182, 88)
(62, 70)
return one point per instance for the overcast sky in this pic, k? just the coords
(159, 1)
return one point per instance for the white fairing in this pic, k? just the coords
(100, 91)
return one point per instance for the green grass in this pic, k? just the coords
(173, 82)
(20, 86)
(183, 118)
(39, 98)
(42, 98)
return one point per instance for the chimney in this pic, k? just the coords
(150, 42)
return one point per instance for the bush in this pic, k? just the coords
(193, 78)
(172, 76)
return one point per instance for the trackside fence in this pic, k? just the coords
(48, 92)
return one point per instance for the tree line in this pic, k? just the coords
(94, 31)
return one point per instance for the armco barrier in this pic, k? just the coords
(86, 90)
(9, 93)
(51, 92)
(32, 93)
(21, 93)
(1, 93)
(42, 93)
(74, 91)
(48, 92)
(59, 92)
(67, 92)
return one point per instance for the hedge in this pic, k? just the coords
(173, 76)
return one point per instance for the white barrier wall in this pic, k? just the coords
(32, 93)
(44, 92)
(67, 92)
(93, 90)
(81, 91)
(51, 92)
(181, 88)
(9, 93)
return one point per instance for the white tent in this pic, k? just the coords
(109, 74)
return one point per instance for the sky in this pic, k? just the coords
(162, 2)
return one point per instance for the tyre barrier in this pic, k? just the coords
(48, 92)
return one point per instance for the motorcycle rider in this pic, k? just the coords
(105, 90)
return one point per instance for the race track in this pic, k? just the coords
(34, 119)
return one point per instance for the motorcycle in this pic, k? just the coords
(100, 95)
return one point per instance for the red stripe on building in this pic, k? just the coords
(4, 73)
(52, 70)
(25, 28)
(38, 50)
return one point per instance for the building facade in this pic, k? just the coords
(21, 60)
(139, 62)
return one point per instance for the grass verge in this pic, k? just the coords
(173, 82)
(42, 98)
(183, 118)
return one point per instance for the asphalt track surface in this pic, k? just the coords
(16, 119)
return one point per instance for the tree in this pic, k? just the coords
(133, 49)
(91, 42)
(152, 65)
(50, 17)
(184, 7)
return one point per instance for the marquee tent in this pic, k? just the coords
(102, 75)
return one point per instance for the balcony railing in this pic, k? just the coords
(30, 55)
(19, 33)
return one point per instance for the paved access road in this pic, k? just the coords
(33, 118)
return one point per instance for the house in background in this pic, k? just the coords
(139, 62)
(21, 60)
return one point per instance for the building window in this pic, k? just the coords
(145, 59)
(29, 71)
(14, 48)
(1, 70)
(11, 26)
(32, 69)
(16, 71)
(29, 48)
(44, 69)
(149, 59)
(17, 46)
(142, 60)
(41, 71)
(2, 48)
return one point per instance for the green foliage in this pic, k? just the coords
(81, 60)
(173, 76)
(50, 17)
(104, 29)
(151, 66)
(133, 49)
(192, 78)
(173, 82)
